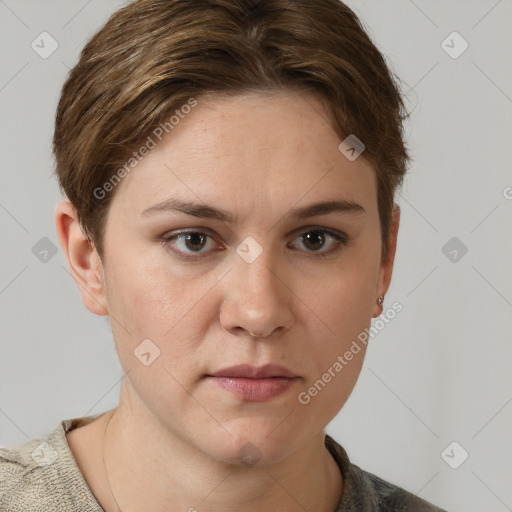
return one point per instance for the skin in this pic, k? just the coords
(175, 440)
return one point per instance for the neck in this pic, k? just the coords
(145, 464)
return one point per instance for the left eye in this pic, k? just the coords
(315, 240)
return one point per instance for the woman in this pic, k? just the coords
(229, 169)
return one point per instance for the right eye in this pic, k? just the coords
(189, 242)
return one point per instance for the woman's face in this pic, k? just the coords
(262, 278)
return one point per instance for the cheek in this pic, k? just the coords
(145, 293)
(344, 305)
(345, 300)
(334, 368)
(335, 360)
(150, 300)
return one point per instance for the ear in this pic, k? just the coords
(386, 268)
(83, 260)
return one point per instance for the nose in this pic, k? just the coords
(258, 300)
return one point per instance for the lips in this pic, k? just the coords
(252, 372)
(253, 384)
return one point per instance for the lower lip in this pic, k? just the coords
(255, 390)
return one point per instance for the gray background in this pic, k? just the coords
(438, 373)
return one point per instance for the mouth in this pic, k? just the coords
(253, 372)
(252, 383)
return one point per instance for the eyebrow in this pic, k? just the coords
(209, 212)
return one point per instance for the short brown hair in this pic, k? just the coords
(152, 56)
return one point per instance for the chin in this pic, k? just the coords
(253, 443)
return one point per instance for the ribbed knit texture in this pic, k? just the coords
(41, 475)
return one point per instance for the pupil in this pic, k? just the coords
(196, 239)
(314, 239)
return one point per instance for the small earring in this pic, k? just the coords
(380, 300)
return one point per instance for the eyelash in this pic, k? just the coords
(340, 238)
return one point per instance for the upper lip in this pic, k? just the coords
(253, 372)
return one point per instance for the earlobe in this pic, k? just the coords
(83, 260)
(386, 270)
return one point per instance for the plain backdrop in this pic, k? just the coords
(436, 385)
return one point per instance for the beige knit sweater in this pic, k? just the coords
(41, 475)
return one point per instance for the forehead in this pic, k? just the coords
(258, 149)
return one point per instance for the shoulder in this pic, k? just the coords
(390, 497)
(26, 475)
(41, 474)
(366, 492)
